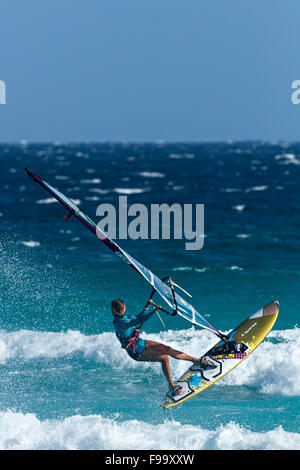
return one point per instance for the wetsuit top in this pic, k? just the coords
(126, 326)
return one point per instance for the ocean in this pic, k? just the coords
(65, 383)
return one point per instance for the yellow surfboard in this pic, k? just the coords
(224, 357)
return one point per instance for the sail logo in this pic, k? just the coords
(163, 222)
(2, 92)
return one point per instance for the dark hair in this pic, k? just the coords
(117, 306)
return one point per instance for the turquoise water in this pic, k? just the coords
(65, 382)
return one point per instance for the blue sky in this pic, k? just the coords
(141, 71)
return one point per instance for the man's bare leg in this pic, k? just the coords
(157, 352)
(154, 349)
(165, 364)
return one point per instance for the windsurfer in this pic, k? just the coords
(127, 331)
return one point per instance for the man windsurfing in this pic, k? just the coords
(127, 331)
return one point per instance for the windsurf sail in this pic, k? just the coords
(174, 300)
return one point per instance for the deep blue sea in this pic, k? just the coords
(65, 383)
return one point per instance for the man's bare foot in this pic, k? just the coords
(175, 390)
(202, 360)
(206, 364)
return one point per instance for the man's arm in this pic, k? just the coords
(144, 315)
(136, 322)
(141, 318)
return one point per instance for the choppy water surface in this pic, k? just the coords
(65, 382)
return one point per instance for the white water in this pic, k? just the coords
(26, 431)
(273, 368)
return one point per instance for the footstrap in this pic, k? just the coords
(175, 389)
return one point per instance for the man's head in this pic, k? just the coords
(118, 308)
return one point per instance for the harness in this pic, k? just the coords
(133, 340)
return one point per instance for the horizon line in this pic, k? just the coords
(159, 142)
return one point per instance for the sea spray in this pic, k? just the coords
(273, 368)
(26, 431)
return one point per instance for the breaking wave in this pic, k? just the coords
(26, 431)
(273, 368)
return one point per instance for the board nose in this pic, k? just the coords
(271, 308)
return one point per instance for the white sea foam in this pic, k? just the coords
(189, 268)
(243, 236)
(278, 372)
(99, 191)
(48, 200)
(231, 190)
(61, 177)
(183, 268)
(279, 368)
(25, 431)
(31, 244)
(51, 200)
(152, 174)
(287, 159)
(239, 207)
(129, 190)
(90, 181)
(257, 188)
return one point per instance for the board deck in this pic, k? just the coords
(244, 339)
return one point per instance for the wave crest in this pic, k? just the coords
(26, 431)
(273, 368)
